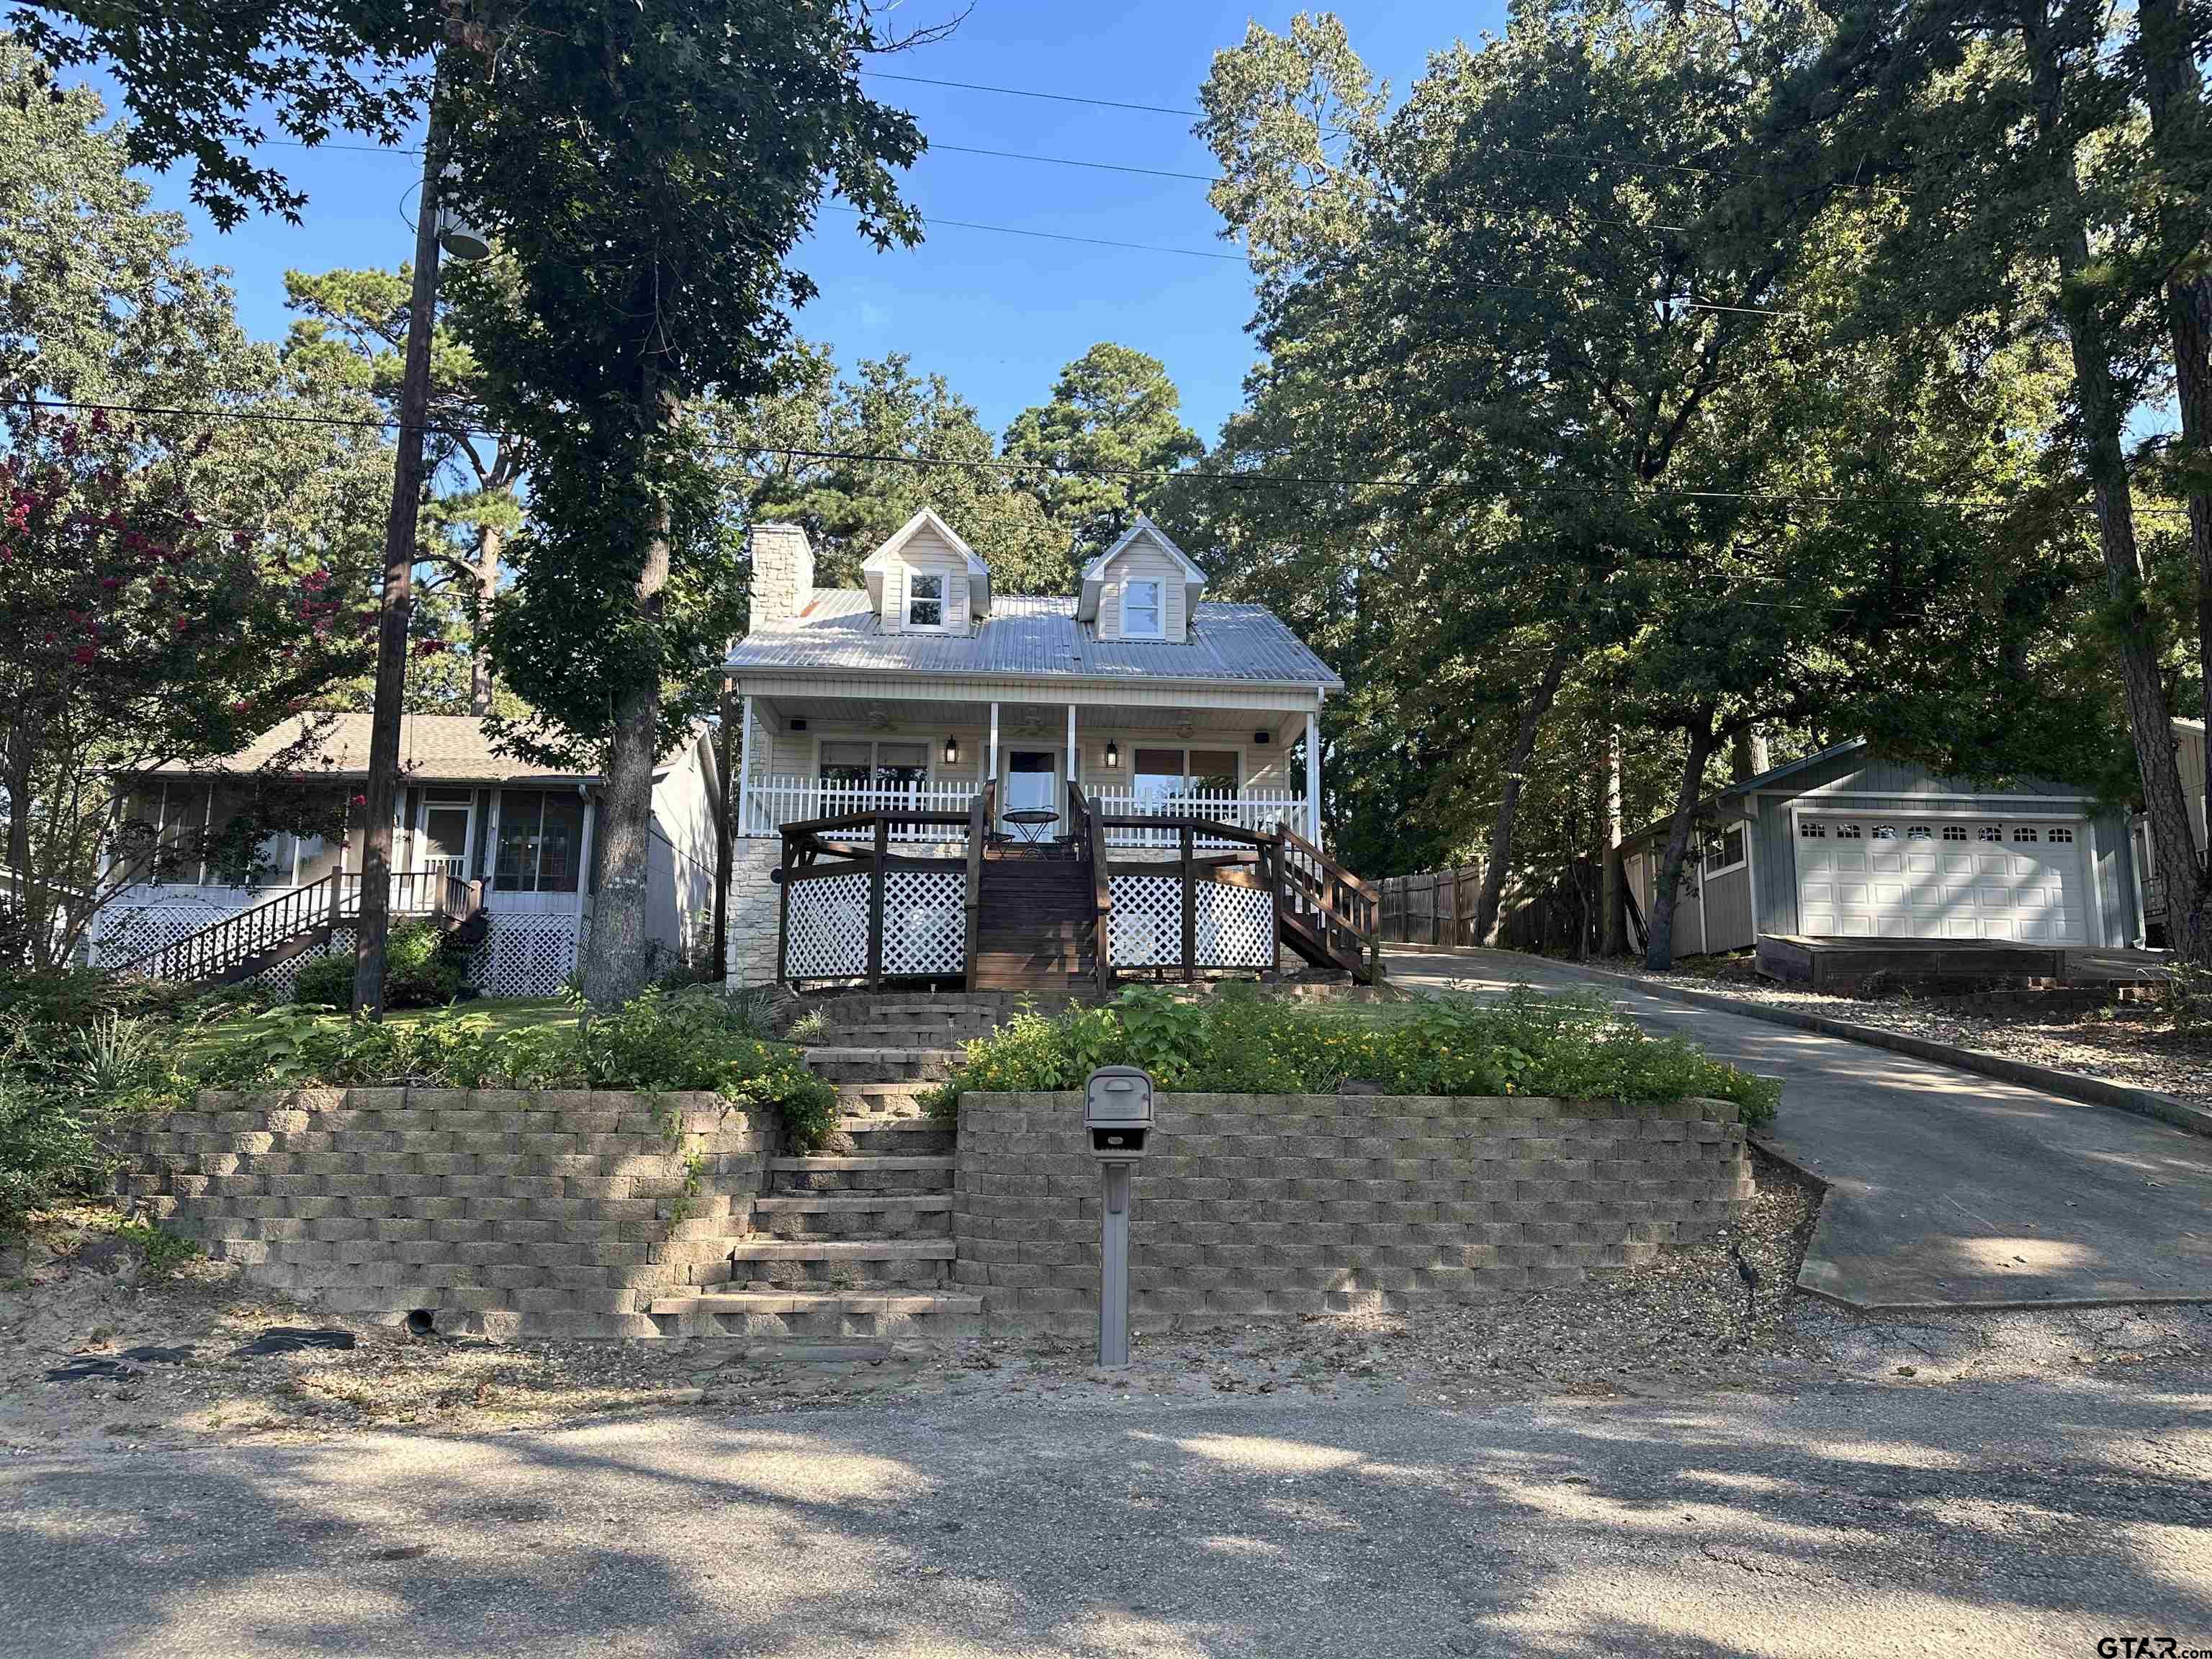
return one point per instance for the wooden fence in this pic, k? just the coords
(1436, 907)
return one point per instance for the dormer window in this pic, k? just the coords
(924, 601)
(1140, 611)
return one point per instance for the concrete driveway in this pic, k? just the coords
(2036, 1515)
(1947, 1189)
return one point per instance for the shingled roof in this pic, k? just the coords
(433, 748)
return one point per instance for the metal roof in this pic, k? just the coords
(1033, 638)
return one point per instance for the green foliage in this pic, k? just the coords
(2185, 997)
(66, 999)
(50, 1149)
(657, 1043)
(113, 1055)
(1113, 412)
(420, 971)
(1572, 1048)
(162, 1252)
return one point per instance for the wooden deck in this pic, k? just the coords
(1842, 964)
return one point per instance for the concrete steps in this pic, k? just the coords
(799, 1216)
(862, 1065)
(821, 1316)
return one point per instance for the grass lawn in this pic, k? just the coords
(503, 1014)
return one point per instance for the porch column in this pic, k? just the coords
(1070, 744)
(991, 759)
(1313, 776)
(746, 767)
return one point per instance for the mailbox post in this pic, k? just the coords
(1117, 1115)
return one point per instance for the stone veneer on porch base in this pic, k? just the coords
(510, 1212)
(1254, 1205)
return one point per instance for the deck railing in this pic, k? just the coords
(772, 802)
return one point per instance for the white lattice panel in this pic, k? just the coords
(283, 975)
(1144, 928)
(128, 930)
(924, 923)
(1236, 926)
(525, 955)
(829, 929)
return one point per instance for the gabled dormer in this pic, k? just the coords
(925, 580)
(1143, 587)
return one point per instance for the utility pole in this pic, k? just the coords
(398, 605)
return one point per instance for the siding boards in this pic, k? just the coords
(1142, 562)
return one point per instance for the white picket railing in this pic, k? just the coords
(772, 802)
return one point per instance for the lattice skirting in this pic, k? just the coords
(827, 936)
(284, 975)
(525, 955)
(128, 930)
(1234, 926)
(925, 925)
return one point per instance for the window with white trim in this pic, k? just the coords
(1848, 832)
(1140, 611)
(1954, 832)
(1919, 832)
(1884, 832)
(1162, 774)
(2061, 833)
(1988, 832)
(1811, 829)
(925, 600)
(860, 762)
(2023, 832)
(1725, 850)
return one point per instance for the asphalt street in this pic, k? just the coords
(2031, 1515)
(1947, 1189)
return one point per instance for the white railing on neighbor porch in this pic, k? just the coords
(772, 802)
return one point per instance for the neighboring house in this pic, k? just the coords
(1843, 844)
(2189, 750)
(924, 689)
(475, 832)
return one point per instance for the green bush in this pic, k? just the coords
(656, 1043)
(51, 1148)
(421, 970)
(1573, 1047)
(67, 998)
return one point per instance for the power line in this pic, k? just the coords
(1062, 236)
(1235, 480)
(1028, 92)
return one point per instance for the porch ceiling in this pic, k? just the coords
(1046, 718)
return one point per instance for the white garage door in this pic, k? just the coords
(1895, 877)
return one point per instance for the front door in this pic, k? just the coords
(1032, 784)
(446, 838)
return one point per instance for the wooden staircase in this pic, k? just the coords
(1035, 926)
(303, 919)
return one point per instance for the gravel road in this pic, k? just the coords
(2028, 1514)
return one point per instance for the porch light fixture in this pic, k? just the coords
(953, 751)
(1113, 754)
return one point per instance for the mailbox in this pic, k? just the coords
(1117, 1111)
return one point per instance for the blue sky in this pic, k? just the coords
(998, 315)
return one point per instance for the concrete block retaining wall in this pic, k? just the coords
(533, 1214)
(1292, 1204)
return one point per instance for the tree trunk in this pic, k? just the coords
(1613, 930)
(2175, 93)
(1659, 947)
(617, 957)
(1509, 799)
(487, 546)
(728, 751)
(1746, 755)
(2165, 805)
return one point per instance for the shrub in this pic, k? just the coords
(1575, 1048)
(66, 999)
(50, 1149)
(655, 1042)
(421, 970)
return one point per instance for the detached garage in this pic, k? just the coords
(1842, 845)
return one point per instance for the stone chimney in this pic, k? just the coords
(783, 575)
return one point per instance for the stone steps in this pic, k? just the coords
(865, 1216)
(820, 1316)
(874, 1100)
(873, 1065)
(898, 1136)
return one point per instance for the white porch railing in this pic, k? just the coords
(772, 802)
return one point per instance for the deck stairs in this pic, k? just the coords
(303, 919)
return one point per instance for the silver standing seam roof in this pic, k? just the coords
(1034, 638)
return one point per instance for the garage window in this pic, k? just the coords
(1848, 832)
(1920, 832)
(2061, 834)
(1989, 832)
(1954, 832)
(1813, 830)
(2022, 832)
(1884, 832)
